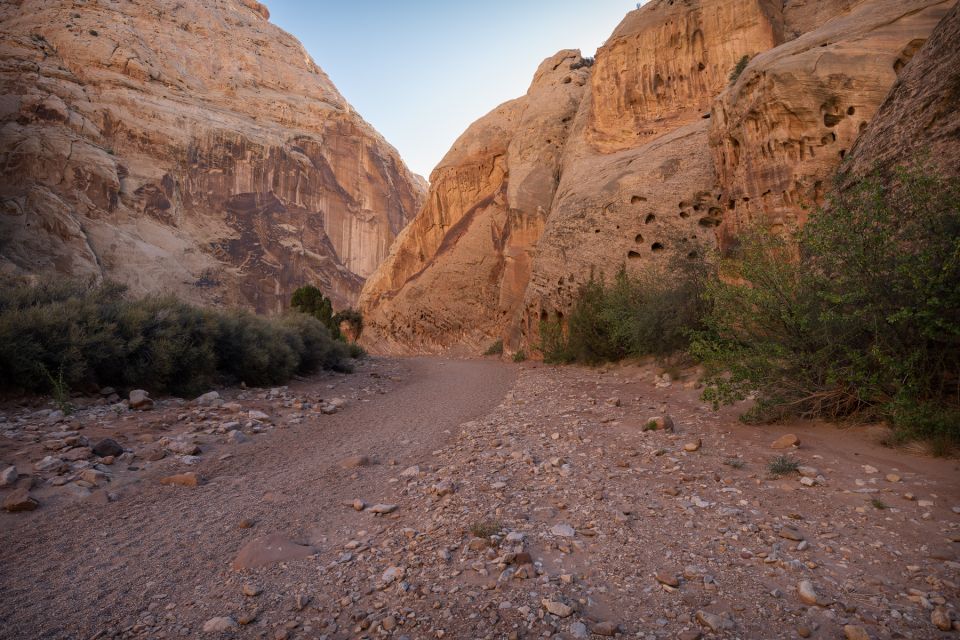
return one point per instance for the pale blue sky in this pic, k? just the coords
(421, 71)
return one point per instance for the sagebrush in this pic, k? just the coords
(93, 334)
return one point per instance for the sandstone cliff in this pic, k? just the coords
(189, 147)
(660, 153)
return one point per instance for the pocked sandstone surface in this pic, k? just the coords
(430, 498)
(187, 147)
(652, 151)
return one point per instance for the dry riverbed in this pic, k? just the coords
(429, 498)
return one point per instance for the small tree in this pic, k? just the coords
(737, 70)
(354, 320)
(310, 300)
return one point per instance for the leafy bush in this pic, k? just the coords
(585, 62)
(520, 356)
(494, 349)
(738, 69)
(783, 465)
(93, 335)
(310, 300)
(648, 313)
(858, 315)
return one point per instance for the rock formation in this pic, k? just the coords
(660, 152)
(921, 114)
(189, 147)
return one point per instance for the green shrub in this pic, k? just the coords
(783, 465)
(494, 349)
(520, 356)
(310, 300)
(94, 335)
(857, 315)
(738, 69)
(648, 313)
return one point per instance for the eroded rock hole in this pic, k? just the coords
(656, 246)
(650, 218)
(633, 255)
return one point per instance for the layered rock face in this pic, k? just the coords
(780, 132)
(457, 274)
(188, 147)
(920, 117)
(661, 155)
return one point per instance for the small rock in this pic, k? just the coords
(855, 632)
(383, 508)
(218, 625)
(8, 476)
(107, 447)
(391, 575)
(207, 399)
(49, 463)
(606, 628)
(786, 441)
(712, 621)
(667, 578)
(389, 623)
(237, 437)
(808, 593)
(869, 469)
(693, 446)
(258, 415)
(791, 533)
(76, 454)
(410, 472)
(563, 530)
(558, 609)
(251, 590)
(579, 631)
(359, 505)
(20, 500)
(892, 477)
(188, 479)
(940, 618)
(140, 399)
(182, 448)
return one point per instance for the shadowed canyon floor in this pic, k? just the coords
(602, 526)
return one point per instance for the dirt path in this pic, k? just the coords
(76, 570)
(531, 502)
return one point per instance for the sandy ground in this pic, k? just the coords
(529, 502)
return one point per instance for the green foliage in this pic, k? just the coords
(520, 356)
(353, 318)
(783, 465)
(879, 504)
(356, 351)
(736, 463)
(310, 300)
(857, 315)
(651, 312)
(485, 528)
(92, 334)
(737, 70)
(60, 391)
(494, 349)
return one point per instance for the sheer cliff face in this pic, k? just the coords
(189, 147)
(651, 151)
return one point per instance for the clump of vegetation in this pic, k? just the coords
(583, 62)
(879, 504)
(60, 391)
(310, 300)
(651, 425)
(783, 465)
(857, 316)
(485, 528)
(738, 69)
(651, 312)
(520, 356)
(736, 463)
(494, 349)
(93, 335)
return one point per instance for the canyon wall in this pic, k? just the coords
(187, 147)
(661, 152)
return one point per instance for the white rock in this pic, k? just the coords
(8, 477)
(563, 530)
(219, 625)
